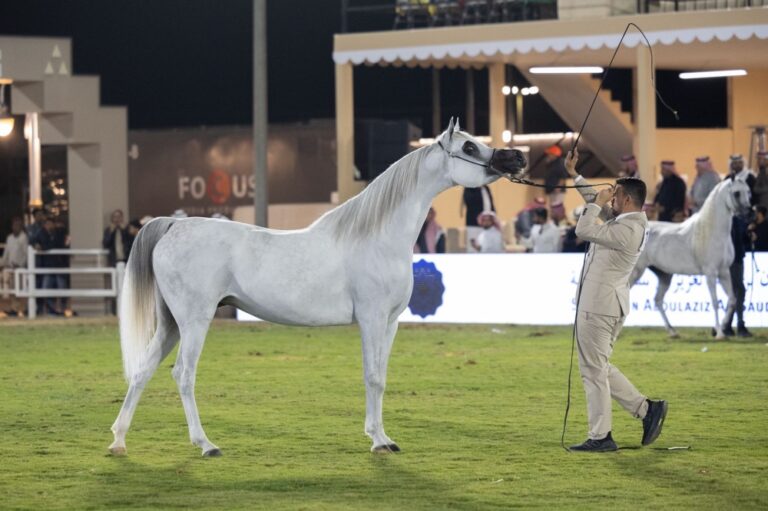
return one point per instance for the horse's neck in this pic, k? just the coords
(410, 214)
(714, 221)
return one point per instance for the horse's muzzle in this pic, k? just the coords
(509, 161)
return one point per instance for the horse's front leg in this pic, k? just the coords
(378, 333)
(712, 285)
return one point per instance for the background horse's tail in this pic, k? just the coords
(137, 299)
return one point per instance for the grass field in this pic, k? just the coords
(477, 411)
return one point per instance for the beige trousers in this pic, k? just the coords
(595, 336)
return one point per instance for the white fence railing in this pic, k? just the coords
(24, 282)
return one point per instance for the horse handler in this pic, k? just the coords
(603, 305)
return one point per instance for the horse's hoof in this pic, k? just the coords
(213, 453)
(674, 335)
(385, 449)
(118, 451)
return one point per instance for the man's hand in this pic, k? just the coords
(604, 196)
(570, 162)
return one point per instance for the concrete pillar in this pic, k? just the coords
(113, 147)
(437, 127)
(496, 107)
(85, 187)
(345, 134)
(470, 120)
(645, 120)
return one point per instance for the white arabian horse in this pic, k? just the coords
(352, 265)
(699, 246)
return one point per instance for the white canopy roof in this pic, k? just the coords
(700, 39)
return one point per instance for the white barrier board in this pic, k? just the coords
(540, 289)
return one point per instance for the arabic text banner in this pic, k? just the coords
(540, 289)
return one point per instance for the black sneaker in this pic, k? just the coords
(603, 445)
(653, 421)
(743, 332)
(728, 331)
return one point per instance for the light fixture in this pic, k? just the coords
(712, 74)
(515, 89)
(506, 136)
(533, 90)
(559, 70)
(506, 90)
(6, 119)
(525, 91)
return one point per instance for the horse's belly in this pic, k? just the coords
(309, 313)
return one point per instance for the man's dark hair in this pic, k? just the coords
(761, 209)
(541, 213)
(634, 188)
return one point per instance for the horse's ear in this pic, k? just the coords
(457, 127)
(450, 128)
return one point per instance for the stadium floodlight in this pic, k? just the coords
(561, 70)
(506, 90)
(693, 75)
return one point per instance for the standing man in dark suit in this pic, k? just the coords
(670, 198)
(117, 241)
(603, 305)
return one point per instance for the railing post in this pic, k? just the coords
(119, 275)
(31, 283)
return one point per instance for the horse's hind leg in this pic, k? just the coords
(165, 338)
(724, 276)
(665, 280)
(184, 372)
(378, 335)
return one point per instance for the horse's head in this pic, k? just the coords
(738, 197)
(472, 163)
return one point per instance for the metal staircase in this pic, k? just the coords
(608, 133)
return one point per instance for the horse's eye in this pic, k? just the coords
(469, 149)
(737, 194)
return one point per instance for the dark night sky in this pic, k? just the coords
(188, 62)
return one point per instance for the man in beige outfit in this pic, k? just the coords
(603, 304)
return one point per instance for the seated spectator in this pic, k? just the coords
(571, 242)
(758, 231)
(431, 238)
(545, 235)
(15, 256)
(524, 220)
(490, 240)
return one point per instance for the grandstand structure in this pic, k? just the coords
(714, 36)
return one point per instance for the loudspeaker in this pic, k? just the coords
(380, 143)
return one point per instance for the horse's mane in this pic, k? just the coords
(365, 213)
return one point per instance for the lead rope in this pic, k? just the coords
(586, 252)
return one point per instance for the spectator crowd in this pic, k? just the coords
(543, 227)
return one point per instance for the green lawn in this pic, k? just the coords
(477, 412)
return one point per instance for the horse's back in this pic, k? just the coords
(668, 248)
(292, 277)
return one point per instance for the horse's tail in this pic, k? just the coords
(137, 299)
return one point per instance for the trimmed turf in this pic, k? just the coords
(477, 412)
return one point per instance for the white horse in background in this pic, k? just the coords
(699, 246)
(352, 265)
